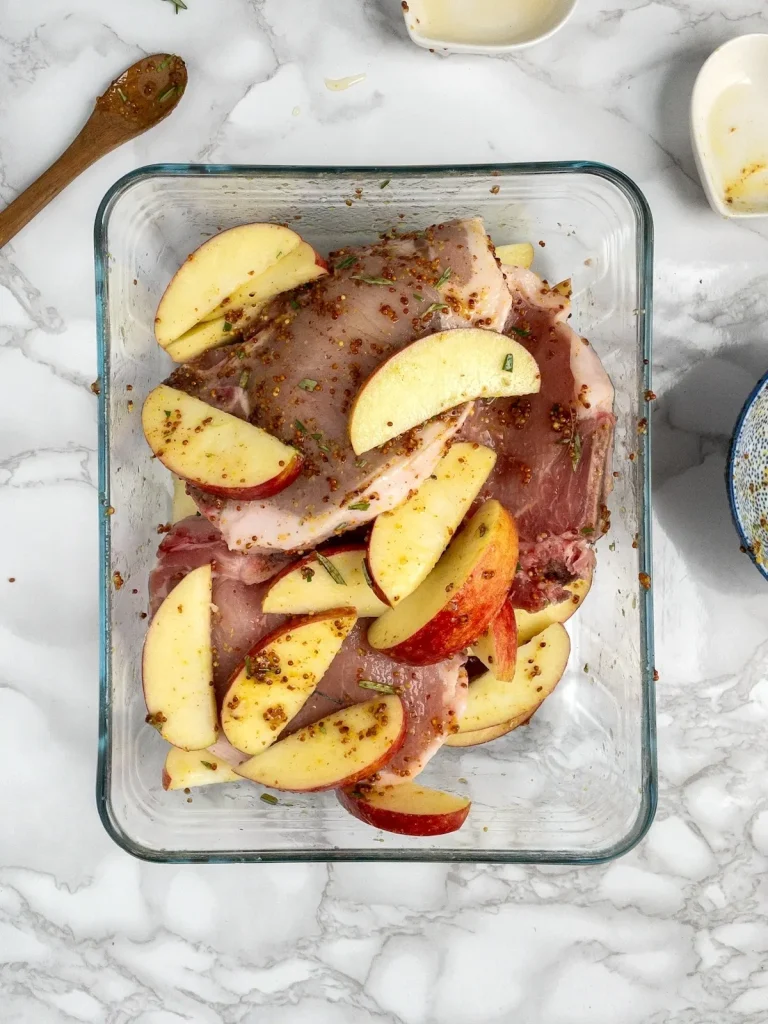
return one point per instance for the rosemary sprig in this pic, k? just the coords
(346, 262)
(369, 684)
(367, 279)
(331, 569)
(179, 5)
(443, 278)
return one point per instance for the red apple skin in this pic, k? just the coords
(376, 588)
(473, 607)
(320, 262)
(400, 822)
(504, 629)
(264, 490)
(166, 779)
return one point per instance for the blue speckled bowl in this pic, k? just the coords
(747, 476)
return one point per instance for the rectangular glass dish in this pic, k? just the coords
(578, 785)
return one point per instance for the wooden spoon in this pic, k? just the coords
(141, 97)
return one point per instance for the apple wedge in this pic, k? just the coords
(186, 769)
(406, 808)
(177, 665)
(299, 267)
(215, 270)
(518, 255)
(405, 544)
(540, 666)
(219, 453)
(331, 578)
(339, 750)
(278, 675)
(199, 339)
(497, 646)
(493, 732)
(531, 623)
(460, 597)
(240, 309)
(437, 373)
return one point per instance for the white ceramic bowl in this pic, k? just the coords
(742, 61)
(552, 20)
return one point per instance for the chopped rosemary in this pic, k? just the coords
(385, 183)
(300, 427)
(227, 326)
(167, 413)
(509, 362)
(307, 384)
(418, 297)
(360, 506)
(346, 262)
(331, 569)
(307, 573)
(443, 278)
(367, 279)
(179, 5)
(369, 684)
(210, 765)
(244, 378)
(587, 530)
(361, 463)
(169, 91)
(434, 308)
(250, 670)
(294, 304)
(269, 799)
(166, 62)
(520, 331)
(122, 95)
(324, 448)
(576, 451)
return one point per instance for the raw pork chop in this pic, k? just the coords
(553, 448)
(296, 376)
(434, 695)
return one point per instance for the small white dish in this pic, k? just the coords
(484, 26)
(729, 127)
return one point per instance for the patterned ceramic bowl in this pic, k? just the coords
(747, 476)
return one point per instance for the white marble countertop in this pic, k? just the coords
(675, 931)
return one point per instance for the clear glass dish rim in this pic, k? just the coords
(649, 796)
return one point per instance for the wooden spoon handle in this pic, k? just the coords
(84, 151)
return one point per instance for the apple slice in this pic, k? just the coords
(518, 255)
(331, 578)
(182, 506)
(406, 808)
(215, 270)
(339, 750)
(405, 544)
(493, 732)
(497, 646)
(297, 268)
(177, 665)
(219, 453)
(540, 666)
(199, 339)
(437, 373)
(278, 675)
(185, 769)
(460, 597)
(531, 623)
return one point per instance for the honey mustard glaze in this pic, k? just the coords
(738, 140)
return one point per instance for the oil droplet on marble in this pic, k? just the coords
(340, 84)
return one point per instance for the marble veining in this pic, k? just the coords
(675, 931)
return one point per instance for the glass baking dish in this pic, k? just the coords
(576, 786)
